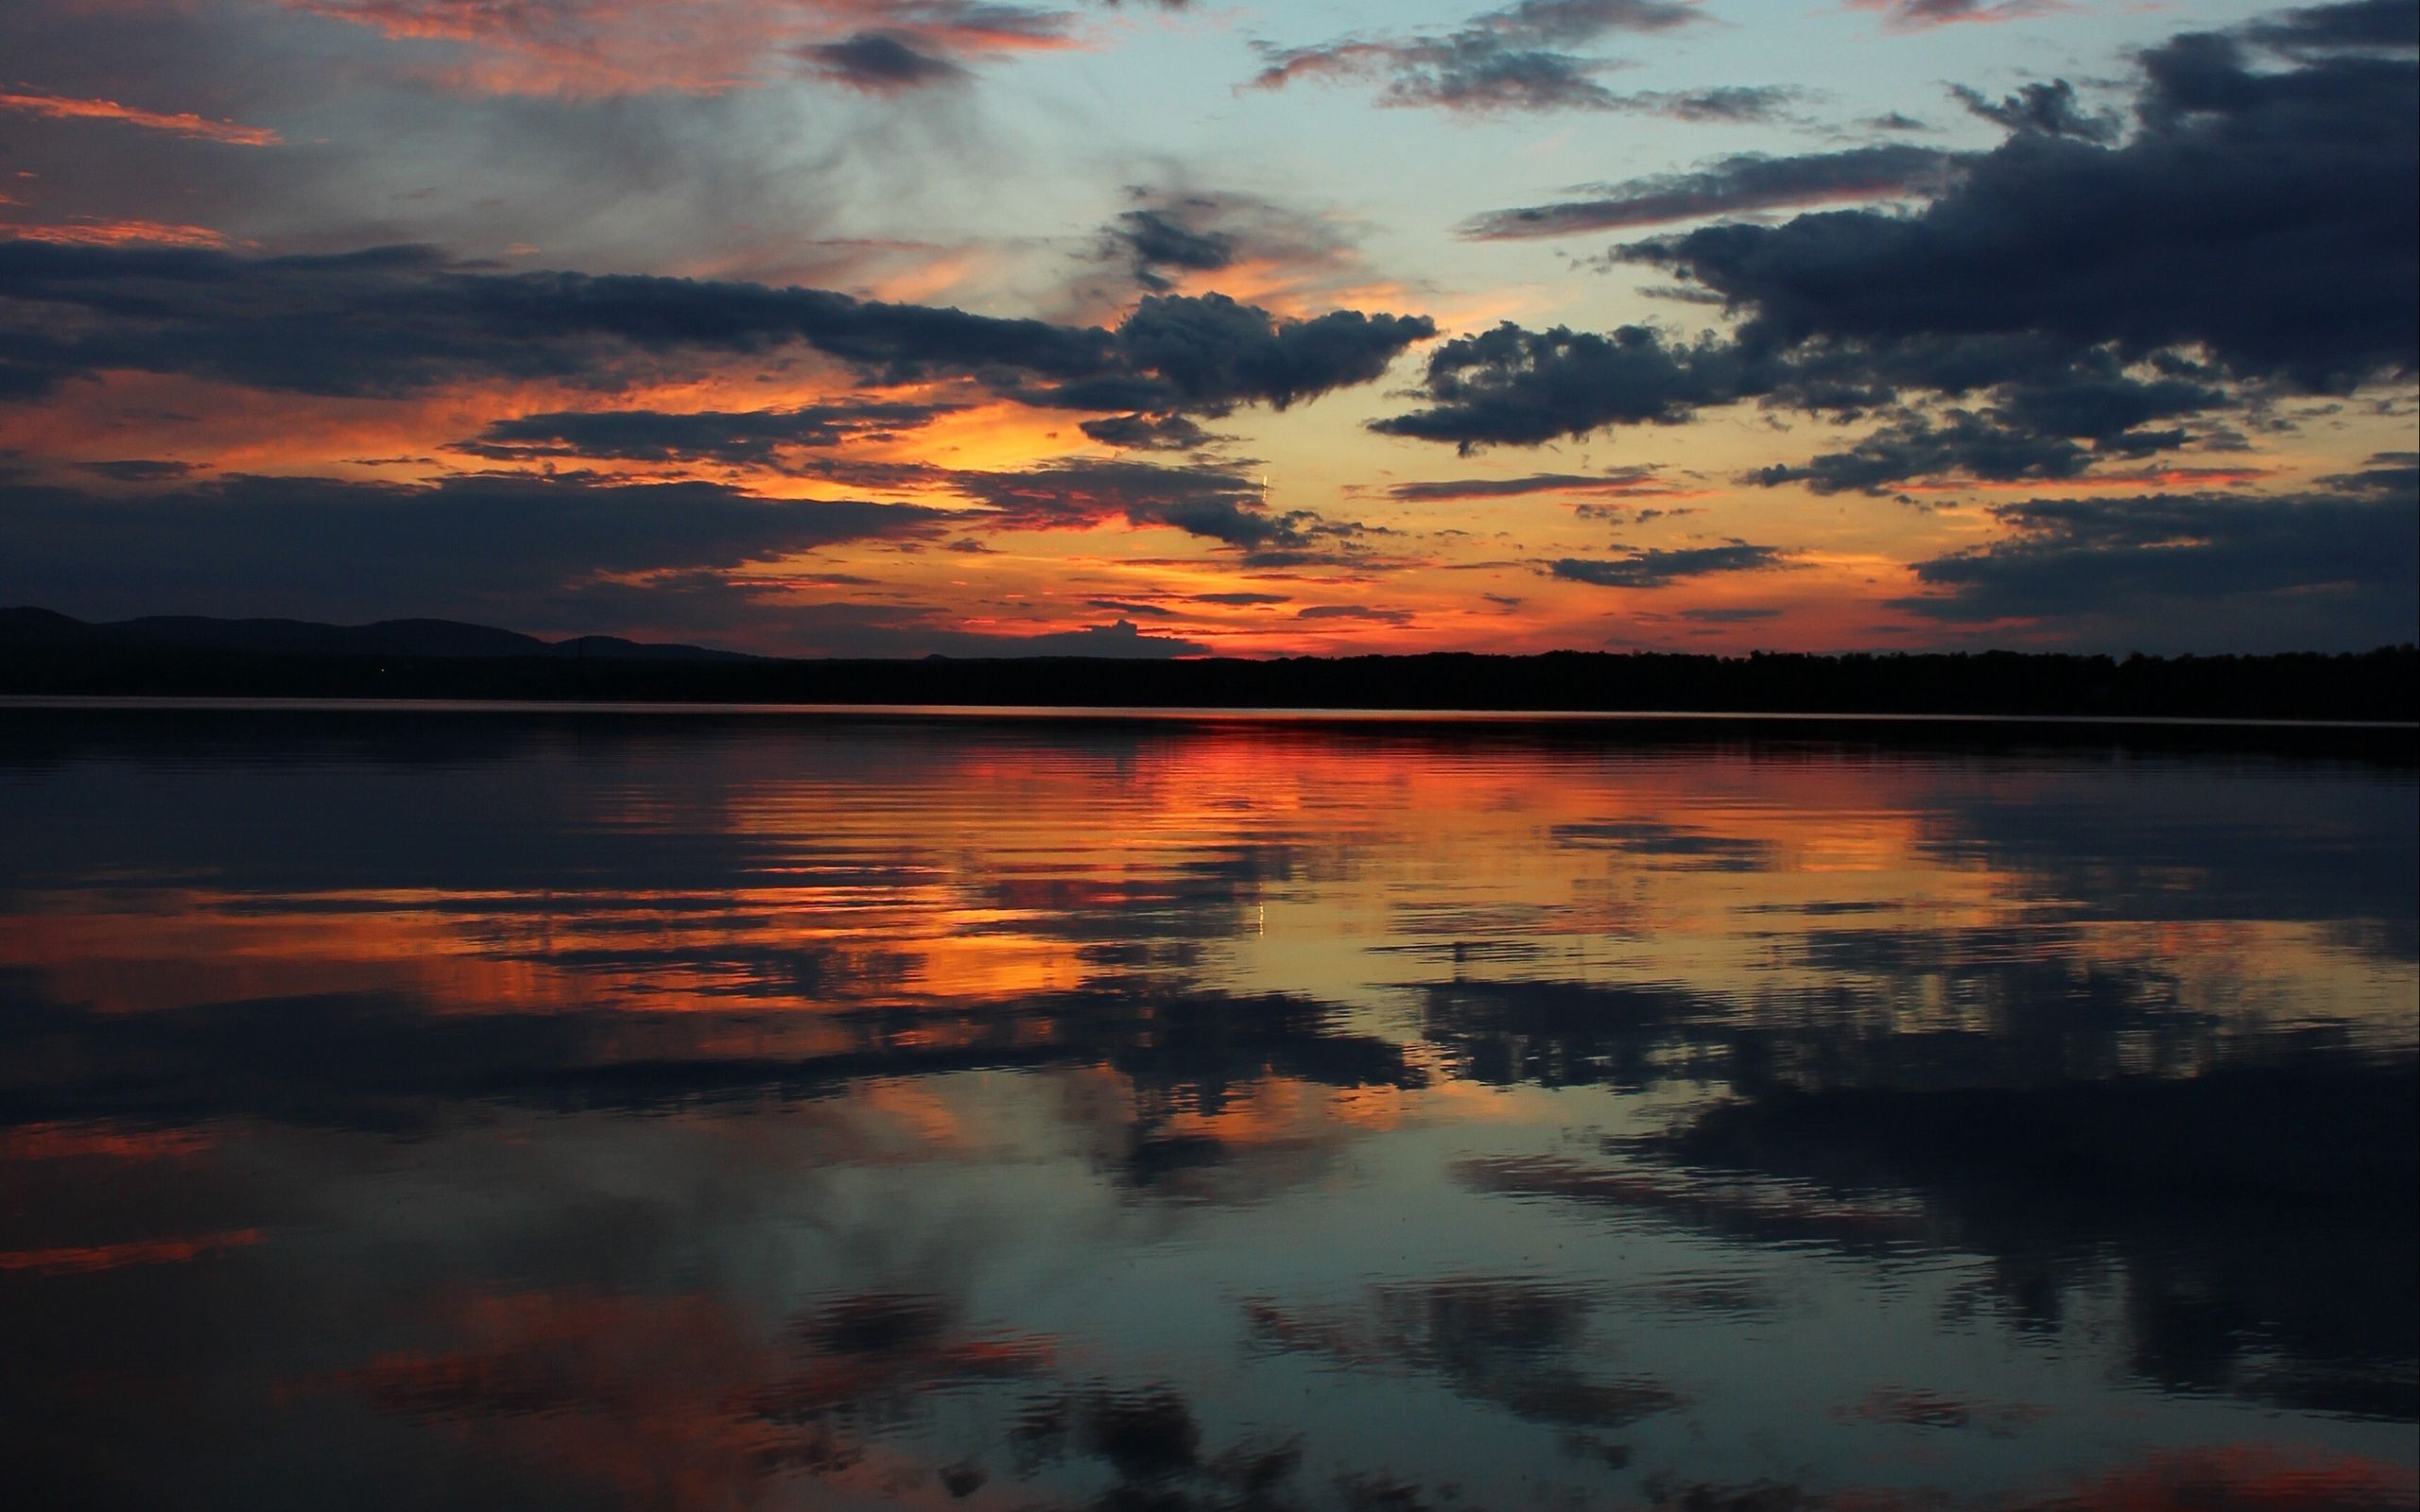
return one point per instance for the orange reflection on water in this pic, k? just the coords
(983, 872)
(707, 1111)
(2249, 1478)
(685, 1401)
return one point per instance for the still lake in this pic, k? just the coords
(423, 1109)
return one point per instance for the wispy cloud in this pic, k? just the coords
(179, 123)
(1730, 186)
(1660, 568)
(92, 232)
(610, 48)
(1922, 15)
(1515, 58)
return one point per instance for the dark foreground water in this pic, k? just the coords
(422, 1109)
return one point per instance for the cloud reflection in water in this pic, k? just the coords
(702, 1112)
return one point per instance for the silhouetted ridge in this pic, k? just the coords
(42, 652)
(445, 639)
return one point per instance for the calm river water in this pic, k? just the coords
(427, 1108)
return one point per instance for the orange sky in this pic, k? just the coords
(205, 297)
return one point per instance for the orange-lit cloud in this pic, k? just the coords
(77, 1260)
(1922, 15)
(101, 1141)
(2158, 477)
(60, 108)
(93, 233)
(1629, 482)
(586, 48)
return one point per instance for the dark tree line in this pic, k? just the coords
(2383, 684)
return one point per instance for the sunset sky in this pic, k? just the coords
(889, 327)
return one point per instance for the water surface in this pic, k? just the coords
(414, 1108)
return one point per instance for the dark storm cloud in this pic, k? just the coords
(1526, 387)
(2259, 232)
(2266, 217)
(1214, 503)
(2088, 393)
(879, 63)
(2229, 543)
(346, 550)
(1354, 611)
(1148, 433)
(1960, 445)
(1154, 239)
(1660, 568)
(2095, 400)
(2374, 24)
(1211, 352)
(2048, 107)
(1521, 388)
(2355, 554)
(1513, 59)
(882, 477)
(390, 320)
(2389, 474)
(1231, 524)
(1634, 480)
(1210, 501)
(747, 437)
(1732, 185)
(2031, 430)
(1078, 492)
(1173, 237)
(138, 469)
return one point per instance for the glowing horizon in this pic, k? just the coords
(827, 327)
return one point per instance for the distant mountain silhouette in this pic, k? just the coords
(47, 654)
(443, 640)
